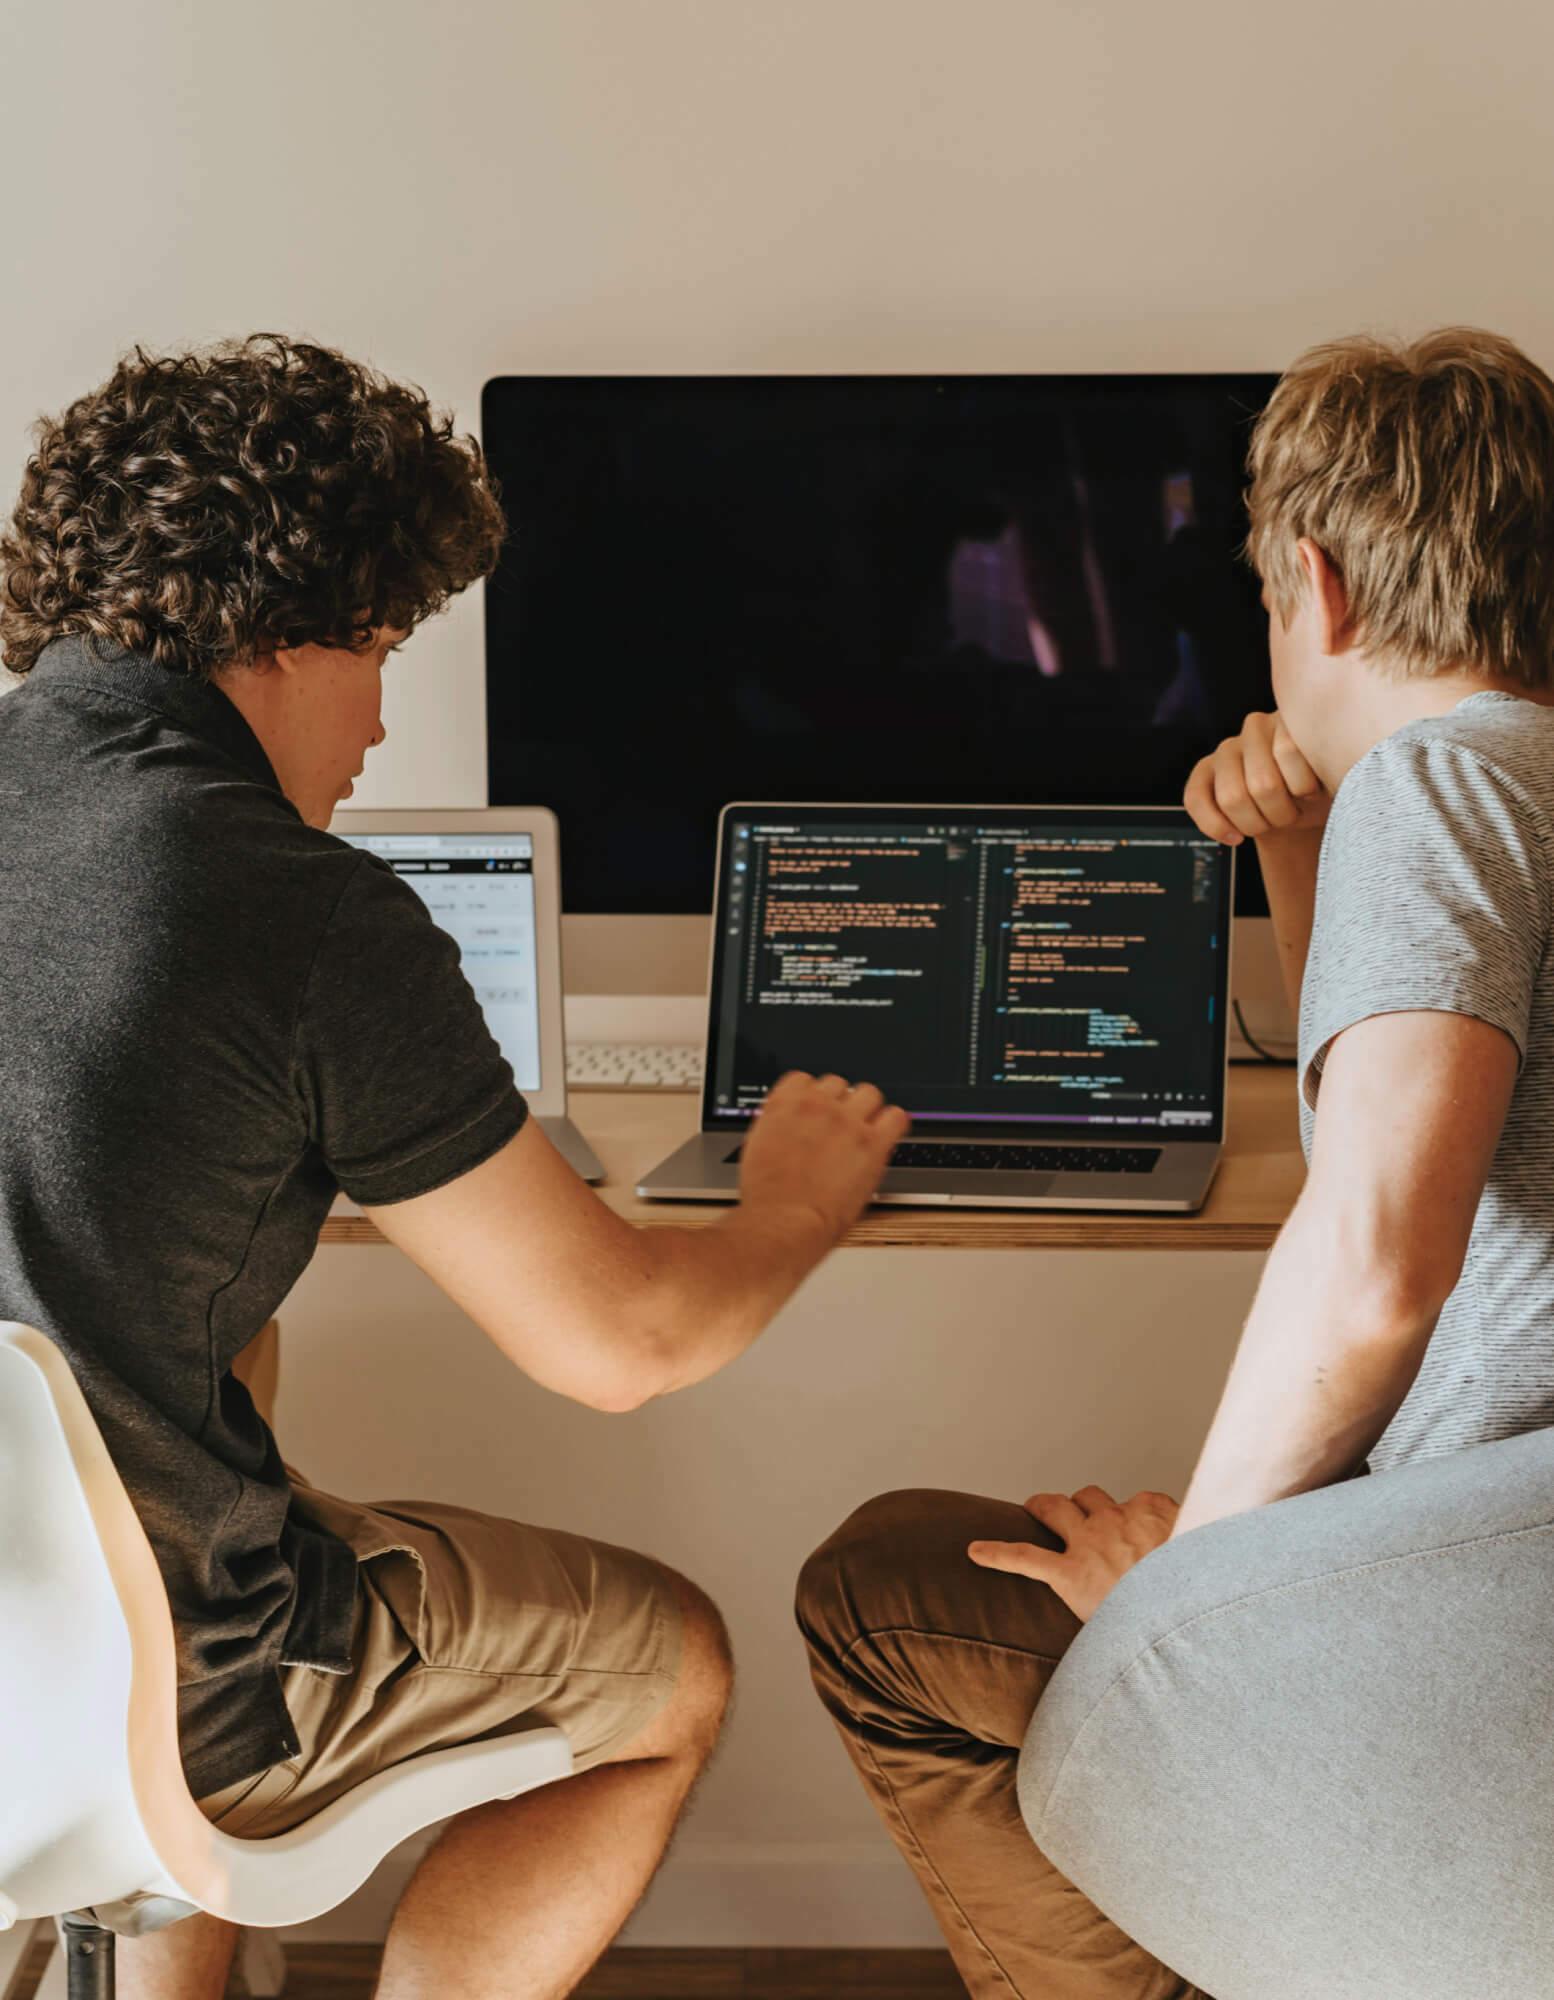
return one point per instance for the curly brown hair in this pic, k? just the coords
(203, 509)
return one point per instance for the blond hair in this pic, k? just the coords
(1425, 474)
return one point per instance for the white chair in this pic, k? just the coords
(97, 1826)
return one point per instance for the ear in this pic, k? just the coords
(1335, 630)
(302, 666)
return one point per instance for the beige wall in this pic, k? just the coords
(458, 190)
(998, 1371)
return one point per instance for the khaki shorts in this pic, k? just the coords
(466, 1627)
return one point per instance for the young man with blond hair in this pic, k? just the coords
(1402, 801)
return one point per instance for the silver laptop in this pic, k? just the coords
(1043, 987)
(491, 876)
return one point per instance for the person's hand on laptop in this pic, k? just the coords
(1102, 1540)
(822, 1144)
(1256, 784)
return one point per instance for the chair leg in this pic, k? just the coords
(52, 1986)
(15, 1949)
(89, 1962)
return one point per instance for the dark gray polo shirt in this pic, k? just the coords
(211, 1016)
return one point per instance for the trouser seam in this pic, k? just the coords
(942, 1638)
(946, 1639)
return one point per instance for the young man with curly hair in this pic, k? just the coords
(216, 1014)
(1402, 506)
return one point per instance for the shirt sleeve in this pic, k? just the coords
(404, 1085)
(1431, 897)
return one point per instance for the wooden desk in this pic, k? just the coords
(1253, 1193)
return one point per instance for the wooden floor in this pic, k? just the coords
(345, 1972)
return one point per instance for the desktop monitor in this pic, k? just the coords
(945, 588)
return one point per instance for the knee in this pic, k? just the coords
(705, 1680)
(899, 1559)
(838, 1583)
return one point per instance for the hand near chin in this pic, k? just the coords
(1102, 1540)
(1256, 785)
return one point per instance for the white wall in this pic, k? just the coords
(458, 190)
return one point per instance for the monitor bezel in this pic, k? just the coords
(981, 1127)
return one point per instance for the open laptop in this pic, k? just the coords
(1044, 988)
(491, 876)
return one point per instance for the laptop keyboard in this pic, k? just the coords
(960, 1155)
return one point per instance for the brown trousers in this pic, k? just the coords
(931, 1669)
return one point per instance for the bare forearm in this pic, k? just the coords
(715, 1289)
(1318, 1376)
(1289, 865)
(1411, 1113)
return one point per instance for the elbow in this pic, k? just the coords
(628, 1376)
(1393, 1305)
(618, 1397)
(1382, 1283)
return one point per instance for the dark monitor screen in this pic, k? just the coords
(994, 972)
(949, 589)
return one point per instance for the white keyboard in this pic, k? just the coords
(633, 1066)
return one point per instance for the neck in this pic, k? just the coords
(1388, 702)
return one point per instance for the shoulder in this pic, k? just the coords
(1488, 763)
(1438, 832)
(369, 891)
(230, 860)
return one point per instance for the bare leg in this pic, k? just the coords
(187, 1961)
(518, 1899)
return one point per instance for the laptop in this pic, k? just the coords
(1043, 988)
(491, 877)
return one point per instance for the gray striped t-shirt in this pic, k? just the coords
(1434, 893)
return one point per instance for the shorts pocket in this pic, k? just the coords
(396, 1576)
